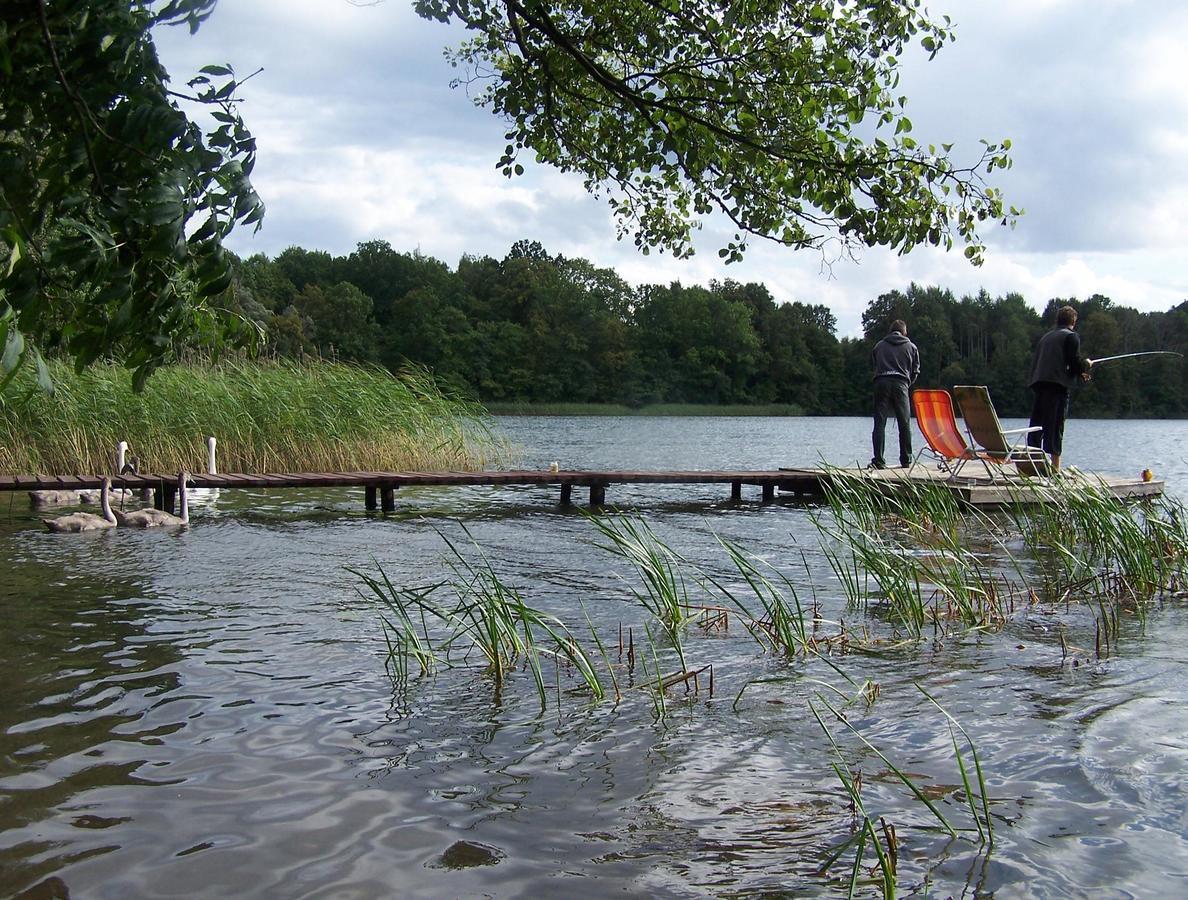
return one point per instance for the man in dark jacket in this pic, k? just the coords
(896, 366)
(1055, 368)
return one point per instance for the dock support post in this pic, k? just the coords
(388, 498)
(370, 500)
(768, 493)
(736, 490)
(567, 495)
(597, 494)
(166, 497)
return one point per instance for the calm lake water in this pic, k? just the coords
(206, 713)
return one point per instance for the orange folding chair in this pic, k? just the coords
(938, 424)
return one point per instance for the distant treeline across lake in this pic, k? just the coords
(539, 329)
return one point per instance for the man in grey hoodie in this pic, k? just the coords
(896, 367)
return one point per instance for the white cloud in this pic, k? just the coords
(361, 137)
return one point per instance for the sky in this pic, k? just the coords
(361, 137)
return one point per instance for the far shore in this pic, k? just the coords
(653, 409)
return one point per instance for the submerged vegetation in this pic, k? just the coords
(908, 560)
(911, 567)
(273, 416)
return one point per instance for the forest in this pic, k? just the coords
(541, 328)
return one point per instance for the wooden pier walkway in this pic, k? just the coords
(380, 487)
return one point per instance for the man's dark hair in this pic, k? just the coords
(899, 325)
(1066, 317)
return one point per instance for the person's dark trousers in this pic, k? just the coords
(1049, 409)
(891, 399)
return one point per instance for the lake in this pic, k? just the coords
(206, 712)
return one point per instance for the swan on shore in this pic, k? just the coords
(85, 521)
(151, 517)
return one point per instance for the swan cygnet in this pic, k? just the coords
(151, 518)
(120, 494)
(54, 498)
(85, 521)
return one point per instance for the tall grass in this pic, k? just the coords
(486, 617)
(911, 550)
(1103, 548)
(272, 416)
(665, 594)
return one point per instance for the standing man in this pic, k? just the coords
(896, 366)
(1055, 368)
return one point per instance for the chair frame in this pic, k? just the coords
(988, 437)
(937, 421)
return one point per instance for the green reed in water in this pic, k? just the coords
(882, 837)
(270, 416)
(487, 616)
(665, 593)
(1099, 547)
(781, 627)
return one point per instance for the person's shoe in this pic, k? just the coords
(877, 464)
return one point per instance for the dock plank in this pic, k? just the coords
(802, 482)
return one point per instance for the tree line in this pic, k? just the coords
(541, 328)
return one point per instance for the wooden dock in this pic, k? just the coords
(808, 483)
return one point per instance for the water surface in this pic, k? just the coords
(206, 712)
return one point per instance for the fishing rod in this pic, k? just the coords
(1095, 362)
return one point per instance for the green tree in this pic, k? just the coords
(783, 117)
(341, 321)
(113, 203)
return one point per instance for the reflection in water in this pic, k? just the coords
(206, 711)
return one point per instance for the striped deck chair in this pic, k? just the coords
(938, 424)
(991, 440)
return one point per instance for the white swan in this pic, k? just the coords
(124, 466)
(84, 521)
(115, 493)
(151, 518)
(207, 495)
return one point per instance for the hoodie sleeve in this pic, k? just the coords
(915, 364)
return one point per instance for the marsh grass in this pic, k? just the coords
(910, 553)
(781, 627)
(665, 594)
(485, 617)
(269, 416)
(879, 835)
(1116, 555)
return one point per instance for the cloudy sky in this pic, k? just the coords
(361, 137)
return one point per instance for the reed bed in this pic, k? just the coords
(487, 624)
(908, 551)
(915, 556)
(273, 416)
